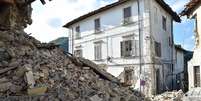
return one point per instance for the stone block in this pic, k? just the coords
(37, 91)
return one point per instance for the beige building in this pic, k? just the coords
(193, 11)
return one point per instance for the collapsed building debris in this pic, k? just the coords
(30, 70)
(28, 67)
(170, 96)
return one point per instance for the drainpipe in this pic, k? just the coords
(139, 29)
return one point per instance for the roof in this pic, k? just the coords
(26, 2)
(190, 7)
(179, 47)
(107, 7)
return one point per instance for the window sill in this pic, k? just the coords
(78, 38)
(126, 24)
(98, 32)
(158, 57)
(130, 57)
(99, 60)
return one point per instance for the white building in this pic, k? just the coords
(193, 11)
(133, 38)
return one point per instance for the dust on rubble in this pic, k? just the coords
(30, 70)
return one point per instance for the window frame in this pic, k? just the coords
(77, 32)
(158, 49)
(164, 23)
(127, 12)
(98, 51)
(127, 16)
(196, 70)
(129, 48)
(97, 25)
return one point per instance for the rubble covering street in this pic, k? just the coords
(30, 68)
(169, 96)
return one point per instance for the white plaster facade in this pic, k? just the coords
(195, 61)
(155, 71)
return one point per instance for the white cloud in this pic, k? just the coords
(44, 16)
(177, 5)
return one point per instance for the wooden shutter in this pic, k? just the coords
(130, 47)
(97, 25)
(127, 49)
(98, 51)
(127, 12)
(170, 41)
(164, 22)
(197, 76)
(122, 49)
(157, 49)
(77, 30)
(95, 52)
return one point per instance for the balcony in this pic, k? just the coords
(97, 30)
(127, 21)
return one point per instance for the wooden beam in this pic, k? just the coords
(97, 69)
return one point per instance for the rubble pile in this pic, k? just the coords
(37, 71)
(34, 71)
(170, 96)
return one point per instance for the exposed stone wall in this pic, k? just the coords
(15, 16)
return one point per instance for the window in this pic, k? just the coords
(78, 53)
(129, 48)
(197, 76)
(155, 14)
(97, 25)
(157, 49)
(170, 41)
(77, 34)
(164, 22)
(127, 12)
(98, 51)
(127, 15)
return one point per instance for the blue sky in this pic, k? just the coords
(49, 19)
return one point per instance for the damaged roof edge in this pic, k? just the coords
(169, 10)
(190, 7)
(7, 1)
(107, 7)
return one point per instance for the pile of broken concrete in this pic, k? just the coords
(30, 70)
(170, 96)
